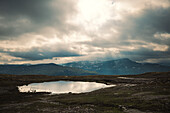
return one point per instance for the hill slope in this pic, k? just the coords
(120, 67)
(42, 69)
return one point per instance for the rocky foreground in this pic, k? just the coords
(145, 93)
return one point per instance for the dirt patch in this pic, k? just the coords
(135, 111)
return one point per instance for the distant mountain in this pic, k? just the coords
(165, 63)
(118, 67)
(42, 69)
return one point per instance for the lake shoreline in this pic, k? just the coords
(151, 94)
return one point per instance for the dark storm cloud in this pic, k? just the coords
(143, 25)
(146, 53)
(41, 21)
(22, 16)
(32, 8)
(18, 17)
(40, 54)
(150, 22)
(137, 30)
(140, 27)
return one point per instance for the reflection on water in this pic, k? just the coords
(63, 87)
(125, 78)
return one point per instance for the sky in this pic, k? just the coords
(61, 31)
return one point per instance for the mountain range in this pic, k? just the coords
(118, 67)
(43, 69)
(112, 67)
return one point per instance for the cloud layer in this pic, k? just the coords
(67, 30)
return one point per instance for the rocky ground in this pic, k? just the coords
(145, 93)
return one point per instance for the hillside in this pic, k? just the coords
(119, 67)
(42, 69)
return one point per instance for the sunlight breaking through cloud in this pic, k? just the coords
(85, 29)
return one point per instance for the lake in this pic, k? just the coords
(59, 87)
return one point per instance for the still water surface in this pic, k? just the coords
(59, 87)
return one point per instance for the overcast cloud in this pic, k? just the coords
(41, 31)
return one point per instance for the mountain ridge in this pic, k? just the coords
(123, 66)
(42, 69)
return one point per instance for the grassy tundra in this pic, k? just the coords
(150, 95)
